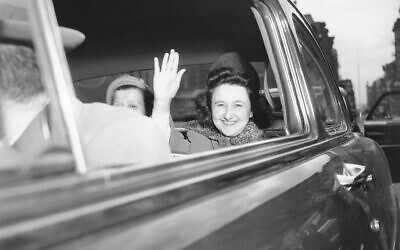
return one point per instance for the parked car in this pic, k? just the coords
(319, 186)
(382, 124)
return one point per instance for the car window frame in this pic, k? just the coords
(58, 59)
(54, 72)
(51, 56)
(119, 188)
(343, 120)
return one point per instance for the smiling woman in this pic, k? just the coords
(224, 114)
(225, 109)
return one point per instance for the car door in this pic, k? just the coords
(382, 125)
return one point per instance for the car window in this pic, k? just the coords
(318, 78)
(197, 61)
(388, 108)
(99, 61)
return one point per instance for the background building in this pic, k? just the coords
(391, 77)
(396, 30)
(326, 42)
(327, 45)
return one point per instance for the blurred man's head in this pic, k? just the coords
(22, 94)
(19, 74)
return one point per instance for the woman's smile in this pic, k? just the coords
(231, 109)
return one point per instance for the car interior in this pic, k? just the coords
(128, 44)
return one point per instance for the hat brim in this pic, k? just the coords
(19, 31)
(125, 80)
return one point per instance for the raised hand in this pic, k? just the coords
(167, 79)
(166, 83)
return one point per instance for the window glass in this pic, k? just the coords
(319, 88)
(388, 108)
(317, 75)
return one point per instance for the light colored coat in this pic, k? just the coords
(110, 136)
(114, 136)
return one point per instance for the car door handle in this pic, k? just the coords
(353, 176)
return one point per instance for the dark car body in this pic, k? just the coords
(383, 125)
(320, 186)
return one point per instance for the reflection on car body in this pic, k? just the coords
(319, 186)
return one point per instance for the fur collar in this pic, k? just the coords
(250, 133)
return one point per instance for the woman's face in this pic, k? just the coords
(231, 109)
(131, 98)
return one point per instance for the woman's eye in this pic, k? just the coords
(238, 105)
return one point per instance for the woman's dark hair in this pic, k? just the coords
(148, 97)
(225, 75)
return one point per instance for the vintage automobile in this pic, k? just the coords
(319, 186)
(382, 124)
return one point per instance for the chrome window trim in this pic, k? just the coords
(277, 49)
(55, 72)
(286, 46)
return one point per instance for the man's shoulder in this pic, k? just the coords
(115, 136)
(100, 115)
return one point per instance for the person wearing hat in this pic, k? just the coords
(133, 93)
(110, 136)
(231, 110)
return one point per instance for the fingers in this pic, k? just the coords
(179, 76)
(170, 62)
(156, 66)
(171, 59)
(175, 62)
(165, 62)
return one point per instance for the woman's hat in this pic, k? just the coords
(125, 80)
(238, 64)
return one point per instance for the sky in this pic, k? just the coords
(363, 35)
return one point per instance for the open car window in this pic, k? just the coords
(387, 108)
(133, 52)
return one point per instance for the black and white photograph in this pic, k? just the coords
(200, 124)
